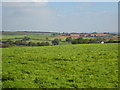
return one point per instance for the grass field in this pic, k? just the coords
(36, 39)
(62, 66)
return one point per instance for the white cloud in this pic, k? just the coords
(23, 4)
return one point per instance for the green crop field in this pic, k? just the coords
(11, 37)
(61, 66)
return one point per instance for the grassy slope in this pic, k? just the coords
(64, 66)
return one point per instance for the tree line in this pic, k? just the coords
(79, 40)
(23, 42)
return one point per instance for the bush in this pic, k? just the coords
(5, 45)
(21, 42)
(78, 41)
(26, 38)
(110, 41)
(83, 41)
(55, 42)
(43, 44)
(68, 39)
(74, 41)
(31, 44)
(10, 42)
(92, 41)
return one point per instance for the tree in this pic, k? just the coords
(30, 44)
(38, 44)
(47, 43)
(43, 44)
(54, 34)
(47, 38)
(85, 41)
(17, 42)
(26, 38)
(99, 39)
(110, 41)
(10, 42)
(34, 44)
(92, 41)
(68, 39)
(55, 42)
(80, 40)
(75, 41)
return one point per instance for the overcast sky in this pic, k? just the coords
(60, 16)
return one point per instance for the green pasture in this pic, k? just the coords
(61, 66)
(36, 39)
(11, 37)
(33, 37)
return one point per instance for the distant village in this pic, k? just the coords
(91, 35)
(30, 38)
(94, 34)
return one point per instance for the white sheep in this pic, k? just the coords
(102, 42)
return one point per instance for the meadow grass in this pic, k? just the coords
(61, 66)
